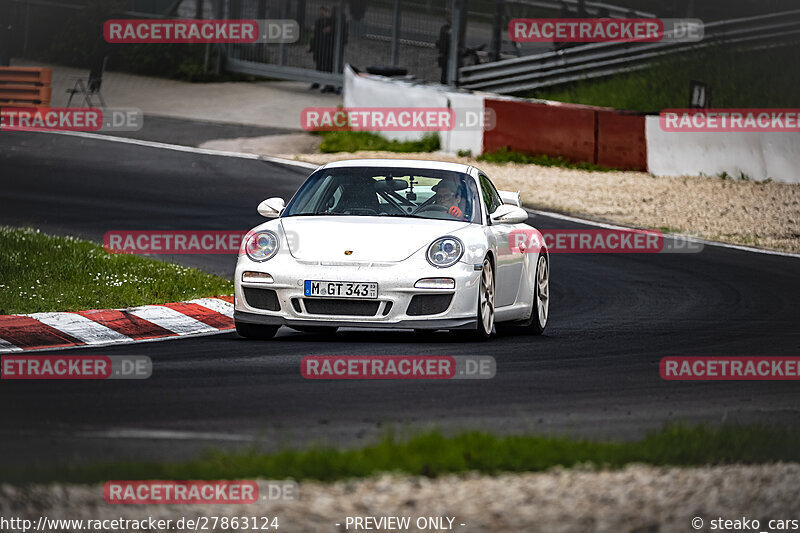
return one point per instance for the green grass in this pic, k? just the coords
(354, 141)
(39, 273)
(504, 155)
(432, 454)
(759, 79)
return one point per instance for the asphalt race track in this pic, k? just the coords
(594, 372)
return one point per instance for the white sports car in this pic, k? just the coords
(391, 244)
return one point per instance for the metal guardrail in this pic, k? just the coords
(603, 59)
(591, 7)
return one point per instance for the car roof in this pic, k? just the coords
(401, 163)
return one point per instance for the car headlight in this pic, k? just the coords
(445, 252)
(261, 246)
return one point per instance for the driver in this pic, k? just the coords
(449, 195)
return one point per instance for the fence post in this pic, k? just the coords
(27, 24)
(338, 45)
(222, 51)
(396, 33)
(5, 34)
(455, 40)
(497, 29)
(281, 45)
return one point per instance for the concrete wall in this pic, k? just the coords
(583, 133)
(377, 91)
(758, 155)
(575, 132)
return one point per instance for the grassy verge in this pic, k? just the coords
(46, 273)
(504, 155)
(354, 141)
(737, 79)
(432, 454)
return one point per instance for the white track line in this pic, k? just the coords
(301, 164)
(179, 148)
(171, 319)
(695, 239)
(215, 304)
(80, 327)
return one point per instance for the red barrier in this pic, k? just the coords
(621, 141)
(557, 130)
(588, 134)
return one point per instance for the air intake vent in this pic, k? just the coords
(341, 307)
(429, 304)
(266, 299)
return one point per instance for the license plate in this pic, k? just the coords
(341, 289)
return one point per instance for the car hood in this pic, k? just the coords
(370, 239)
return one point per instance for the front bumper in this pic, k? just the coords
(430, 323)
(393, 308)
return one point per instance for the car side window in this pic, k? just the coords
(490, 195)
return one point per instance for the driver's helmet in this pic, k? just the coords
(446, 184)
(452, 203)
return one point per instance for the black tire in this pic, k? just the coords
(256, 331)
(536, 323)
(486, 304)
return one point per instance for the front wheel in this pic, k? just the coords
(485, 314)
(256, 331)
(541, 305)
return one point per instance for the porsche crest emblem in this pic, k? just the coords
(348, 252)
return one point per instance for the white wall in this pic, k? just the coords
(378, 91)
(758, 155)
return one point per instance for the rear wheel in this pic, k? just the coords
(256, 331)
(542, 308)
(485, 314)
(541, 305)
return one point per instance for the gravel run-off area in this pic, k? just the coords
(758, 214)
(637, 498)
(762, 215)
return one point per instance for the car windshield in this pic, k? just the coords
(398, 192)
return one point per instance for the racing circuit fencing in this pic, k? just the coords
(604, 59)
(388, 33)
(400, 33)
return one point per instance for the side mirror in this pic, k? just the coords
(271, 207)
(509, 214)
(510, 198)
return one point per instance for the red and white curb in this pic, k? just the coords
(103, 327)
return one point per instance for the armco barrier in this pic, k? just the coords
(365, 90)
(621, 140)
(603, 136)
(25, 86)
(542, 129)
(575, 132)
(757, 155)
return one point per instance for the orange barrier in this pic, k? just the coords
(577, 133)
(621, 141)
(535, 128)
(25, 86)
